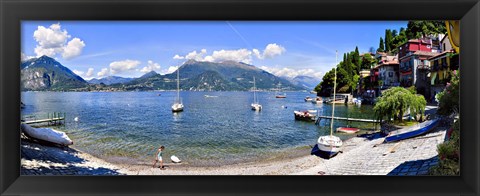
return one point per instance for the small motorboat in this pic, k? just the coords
(308, 98)
(256, 107)
(308, 115)
(412, 131)
(281, 96)
(348, 129)
(317, 100)
(46, 134)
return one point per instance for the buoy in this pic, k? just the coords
(76, 119)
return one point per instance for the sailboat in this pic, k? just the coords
(255, 105)
(177, 106)
(280, 95)
(330, 144)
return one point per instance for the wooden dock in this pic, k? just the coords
(55, 118)
(347, 119)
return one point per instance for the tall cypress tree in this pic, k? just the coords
(388, 40)
(381, 46)
(356, 59)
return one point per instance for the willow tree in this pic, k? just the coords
(396, 101)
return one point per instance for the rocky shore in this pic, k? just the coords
(363, 155)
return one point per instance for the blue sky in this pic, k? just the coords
(95, 49)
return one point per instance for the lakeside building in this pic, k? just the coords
(414, 64)
(388, 70)
(442, 66)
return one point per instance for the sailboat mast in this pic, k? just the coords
(178, 85)
(334, 91)
(254, 89)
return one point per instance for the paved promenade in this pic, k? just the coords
(363, 156)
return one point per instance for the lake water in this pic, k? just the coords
(211, 130)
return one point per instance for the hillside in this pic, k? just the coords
(45, 73)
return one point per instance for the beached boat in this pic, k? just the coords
(178, 105)
(255, 105)
(330, 145)
(412, 131)
(308, 115)
(46, 134)
(348, 129)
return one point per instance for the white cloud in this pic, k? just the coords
(239, 55)
(273, 50)
(196, 56)
(89, 73)
(25, 57)
(80, 73)
(170, 69)
(152, 66)
(178, 57)
(121, 66)
(53, 40)
(73, 48)
(103, 72)
(291, 73)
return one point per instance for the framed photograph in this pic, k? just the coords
(239, 97)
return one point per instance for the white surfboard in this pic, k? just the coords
(175, 159)
(47, 134)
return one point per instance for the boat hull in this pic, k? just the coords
(410, 132)
(329, 145)
(177, 108)
(47, 134)
(328, 151)
(348, 130)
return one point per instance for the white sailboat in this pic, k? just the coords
(330, 144)
(177, 106)
(255, 105)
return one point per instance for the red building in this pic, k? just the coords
(414, 64)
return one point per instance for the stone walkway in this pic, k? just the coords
(362, 156)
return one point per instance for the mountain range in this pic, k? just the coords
(110, 80)
(204, 76)
(45, 73)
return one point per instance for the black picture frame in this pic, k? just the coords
(13, 12)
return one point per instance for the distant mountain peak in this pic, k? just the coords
(149, 74)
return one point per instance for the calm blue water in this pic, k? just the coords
(223, 129)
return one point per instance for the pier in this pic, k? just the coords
(347, 119)
(56, 118)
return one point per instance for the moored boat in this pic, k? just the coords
(308, 115)
(308, 98)
(330, 145)
(46, 134)
(412, 131)
(348, 129)
(255, 105)
(317, 100)
(178, 105)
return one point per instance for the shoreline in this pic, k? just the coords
(363, 157)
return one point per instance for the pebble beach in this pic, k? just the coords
(362, 155)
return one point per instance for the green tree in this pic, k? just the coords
(367, 61)
(448, 99)
(423, 28)
(388, 40)
(381, 46)
(395, 101)
(356, 59)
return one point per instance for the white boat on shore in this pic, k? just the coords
(46, 134)
(330, 145)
